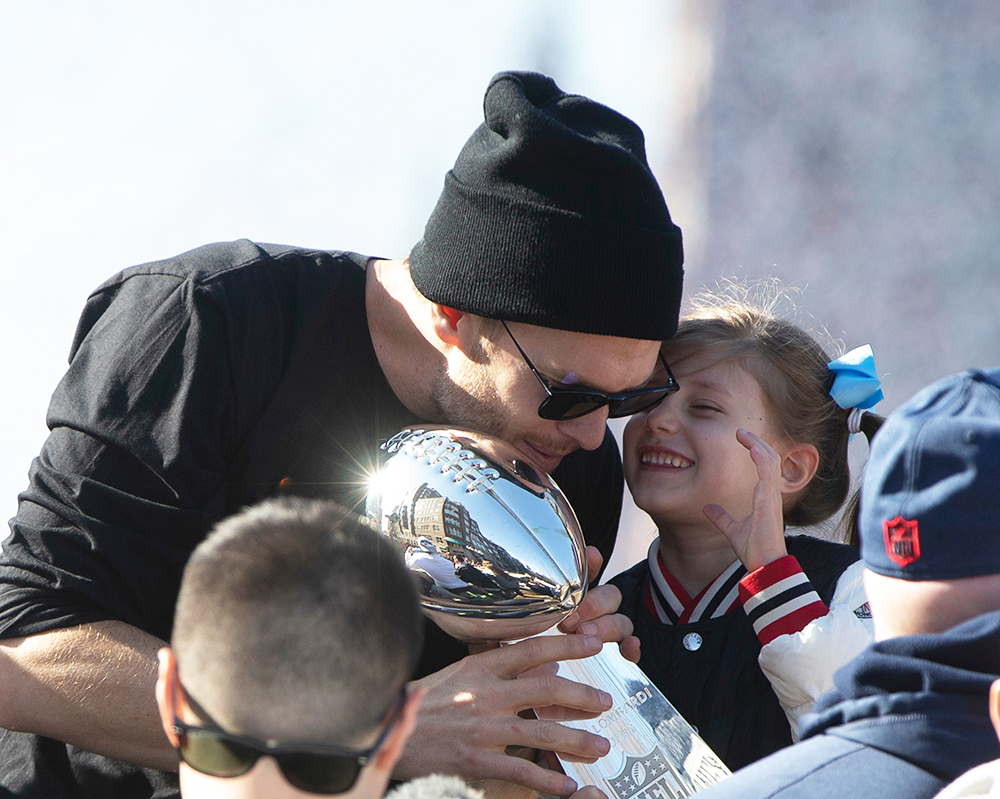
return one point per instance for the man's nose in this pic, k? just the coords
(587, 430)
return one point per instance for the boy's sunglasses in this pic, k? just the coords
(565, 402)
(314, 768)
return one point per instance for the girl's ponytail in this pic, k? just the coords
(869, 424)
(855, 387)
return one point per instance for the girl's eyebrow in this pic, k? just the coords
(703, 383)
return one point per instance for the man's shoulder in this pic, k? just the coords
(828, 767)
(242, 281)
(231, 259)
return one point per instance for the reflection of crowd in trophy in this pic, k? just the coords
(445, 545)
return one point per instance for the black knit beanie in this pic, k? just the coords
(552, 216)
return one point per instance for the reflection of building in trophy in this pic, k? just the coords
(402, 520)
(675, 734)
(659, 771)
(427, 514)
(445, 523)
(456, 535)
(424, 517)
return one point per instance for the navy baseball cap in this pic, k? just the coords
(930, 499)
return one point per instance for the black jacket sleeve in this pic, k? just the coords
(133, 472)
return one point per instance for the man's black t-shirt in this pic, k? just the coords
(199, 385)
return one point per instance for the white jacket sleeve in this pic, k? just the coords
(804, 642)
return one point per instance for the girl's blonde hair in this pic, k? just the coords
(791, 368)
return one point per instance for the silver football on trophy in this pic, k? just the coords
(496, 548)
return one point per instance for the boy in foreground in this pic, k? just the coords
(297, 630)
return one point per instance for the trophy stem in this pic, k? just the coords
(655, 753)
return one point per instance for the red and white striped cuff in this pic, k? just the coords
(779, 599)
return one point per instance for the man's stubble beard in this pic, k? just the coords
(475, 405)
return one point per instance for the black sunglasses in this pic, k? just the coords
(314, 768)
(565, 402)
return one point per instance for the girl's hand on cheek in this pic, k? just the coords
(757, 539)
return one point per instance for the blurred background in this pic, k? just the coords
(850, 149)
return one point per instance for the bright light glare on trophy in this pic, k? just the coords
(496, 549)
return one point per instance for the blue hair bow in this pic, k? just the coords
(855, 384)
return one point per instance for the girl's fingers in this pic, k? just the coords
(720, 517)
(768, 461)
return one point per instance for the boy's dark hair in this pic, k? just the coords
(295, 618)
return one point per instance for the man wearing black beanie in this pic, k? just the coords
(532, 309)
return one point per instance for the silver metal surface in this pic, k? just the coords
(496, 548)
(655, 753)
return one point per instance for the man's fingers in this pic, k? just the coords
(523, 772)
(600, 601)
(541, 671)
(535, 692)
(471, 715)
(559, 713)
(570, 743)
(513, 660)
(631, 648)
(589, 792)
(594, 562)
(610, 629)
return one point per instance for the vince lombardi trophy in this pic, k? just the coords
(499, 555)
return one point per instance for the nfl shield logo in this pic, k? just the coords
(902, 540)
(647, 777)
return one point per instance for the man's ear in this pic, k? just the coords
(798, 467)
(445, 322)
(390, 752)
(995, 705)
(166, 683)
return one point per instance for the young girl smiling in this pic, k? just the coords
(752, 441)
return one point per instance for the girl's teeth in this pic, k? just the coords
(662, 459)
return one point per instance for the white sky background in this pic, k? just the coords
(132, 131)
